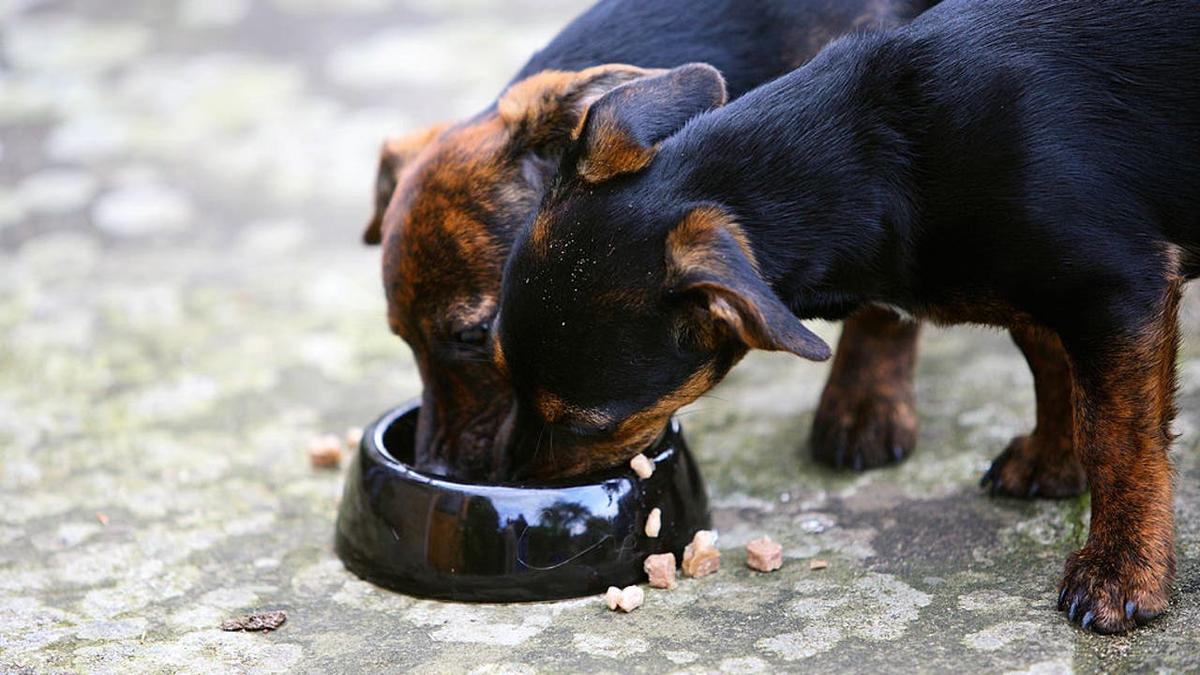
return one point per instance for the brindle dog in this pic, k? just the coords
(450, 199)
(1028, 164)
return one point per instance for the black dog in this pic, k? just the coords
(1033, 165)
(450, 200)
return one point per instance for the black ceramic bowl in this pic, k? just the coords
(435, 537)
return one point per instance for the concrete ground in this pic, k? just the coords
(183, 304)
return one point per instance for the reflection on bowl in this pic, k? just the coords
(436, 537)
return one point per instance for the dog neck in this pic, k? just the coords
(815, 168)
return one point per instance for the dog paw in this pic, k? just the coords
(863, 429)
(1110, 592)
(1029, 469)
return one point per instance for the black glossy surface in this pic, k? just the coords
(436, 537)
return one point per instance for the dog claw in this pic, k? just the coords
(1088, 618)
(1033, 489)
(1105, 598)
(862, 424)
(1134, 612)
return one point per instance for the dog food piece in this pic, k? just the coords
(642, 466)
(764, 554)
(654, 523)
(259, 621)
(701, 558)
(325, 452)
(612, 597)
(354, 437)
(704, 539)
(631, 598)
(700, 562)
(815, 564)
(661, 570)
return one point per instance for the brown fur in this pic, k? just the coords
(1124, 404)
(704, 251)
(449, 200)
(693, 246)
(1043, 463)
(547, 108)
(441, 270)
(612, 152)
(394, 154)
(612, 149)
(555, 410)
(693, 242)
(867, 416)
(636, 432)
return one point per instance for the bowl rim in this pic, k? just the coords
(661, 450)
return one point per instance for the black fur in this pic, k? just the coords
(992, 159)
(1026, 163)
(487, 175)
(749, 41)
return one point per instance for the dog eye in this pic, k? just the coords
(474, 336)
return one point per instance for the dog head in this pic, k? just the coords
(448, 203)
(624, 300)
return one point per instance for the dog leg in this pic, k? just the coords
(1124, 403)
(1042, 463)
(867, 417)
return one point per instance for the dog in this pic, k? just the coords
(450, 199)
(1032, 165)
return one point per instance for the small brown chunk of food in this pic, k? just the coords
(661, 570)
(764, 554)
(700, 562)
(612, 597)
(259, 621)
(815, 564)
(654, 523)
(325, 452)
(631, 598)
(642, 466)
(701, 558)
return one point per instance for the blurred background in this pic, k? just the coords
(184, 303)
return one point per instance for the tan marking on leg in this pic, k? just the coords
(1043, 463)
(867, 416)
(1124, 403)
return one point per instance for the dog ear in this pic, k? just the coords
(542, 110)
(623, 128)
(395, 152)
(708, 255)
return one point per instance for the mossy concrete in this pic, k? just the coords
(183, 304)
